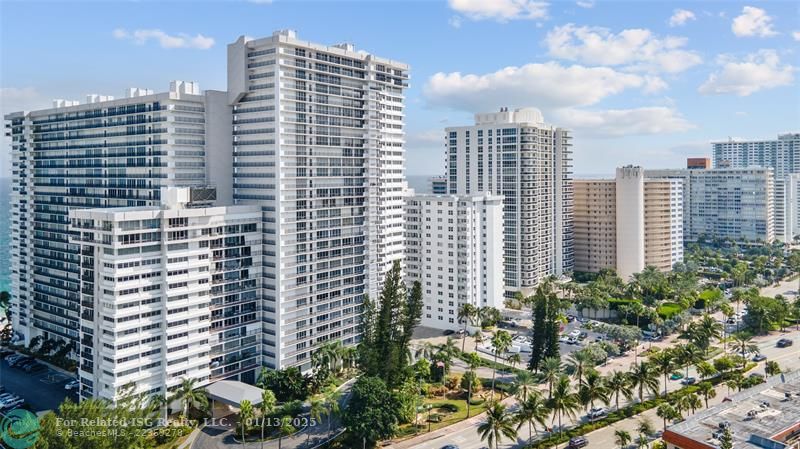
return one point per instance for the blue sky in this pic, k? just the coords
(642, 82)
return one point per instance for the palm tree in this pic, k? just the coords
(266, 406)
(645, 427)
(445, 353)
(189, 395)
(514, 360)
(743, 344)
(245, 415)
(594, 388)
(577, 361)
(619, 383)
(533, 410)
(622, 438)
(664, 363)
(644, 377)
(772, 368)
(551, 369)
(563, 401)
(466, 314)
(642, 442)
(425, 350)
(473, 362)
(707, 390)
(316, 410)
(499, 423)
(693, 401)
(688, 355)
(710, 329)
(330, 397)
(523, 385)
(501, 341)
(478, 336)
(666, 412)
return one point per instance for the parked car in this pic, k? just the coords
(578, 442)
(12, 404)
(597, 413)
(688, 381)
(449, 332)
(450, 446)
(574, 333)
(7, 398)
(12, 357)
(583, 335)
(24, 363)
(676, 376)
(759, 357)
(572, 341)
(71, 385)
(571, 318)
(784, 343)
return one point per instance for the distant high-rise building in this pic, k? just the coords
(516, 155)
(454, 247)
(782, 155)
(698, 163)
(439, 185)
(734, 203)
(167, 293)
(104, 153)
(318, 144)
(628, 223)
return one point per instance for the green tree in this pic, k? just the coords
(664, 363)
(372, 411)
(726, 439)
(563, 401)
(499, 423)
(577, 363)
(551, 369)
(644, 377)
(501, 341)
(245, 416)
(619, 384)
(743, 344)
(189, 395)
(288, 384)
(622, 438)
(772, 368)
(523, 385)
(594, 389)
(267, 406)
(316, 411)
(466, 315)
(706, 389)
(533, 410)
(546, 325)
(666, 412)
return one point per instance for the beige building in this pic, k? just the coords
(627, 223)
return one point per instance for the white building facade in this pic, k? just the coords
(516, 155)
(782, 155)
(168, 293)
(318, 145)
(103, 153)
(454, 246)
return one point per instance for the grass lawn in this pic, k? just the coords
(407, 430)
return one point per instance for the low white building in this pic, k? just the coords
(168, 293)
(455, 250)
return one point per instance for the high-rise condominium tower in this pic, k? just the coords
(782, 155)
(318, 144)
(104, 153)
(517, 155)
(168, 292)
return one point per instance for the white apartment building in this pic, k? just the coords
(318, 144)
(167, 292)
(734, 203)
(104, 153)
(782, 155)
(454, 248)
(628, 223)
(517, 155)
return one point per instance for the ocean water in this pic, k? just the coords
(5, 234)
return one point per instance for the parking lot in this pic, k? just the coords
(522, 328)
(41, 391)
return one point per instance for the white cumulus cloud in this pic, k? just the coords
(500, 10)
(680, 17)
(623, 122)
(755, 72)
(585, 3)
(637, 48)
(542, 85)
(180, 40)
(753, 22)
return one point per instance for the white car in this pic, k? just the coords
(575, 333)
(12, 404)
(72, 385)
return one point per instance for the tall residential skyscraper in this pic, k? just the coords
(454, 247)
(782, 155)
(517, 155)
(628, 223)
(168, 292)
(734, 203)
(104, 153)
(318, 144)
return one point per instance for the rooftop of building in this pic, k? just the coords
(764, 416)
(489, 196)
